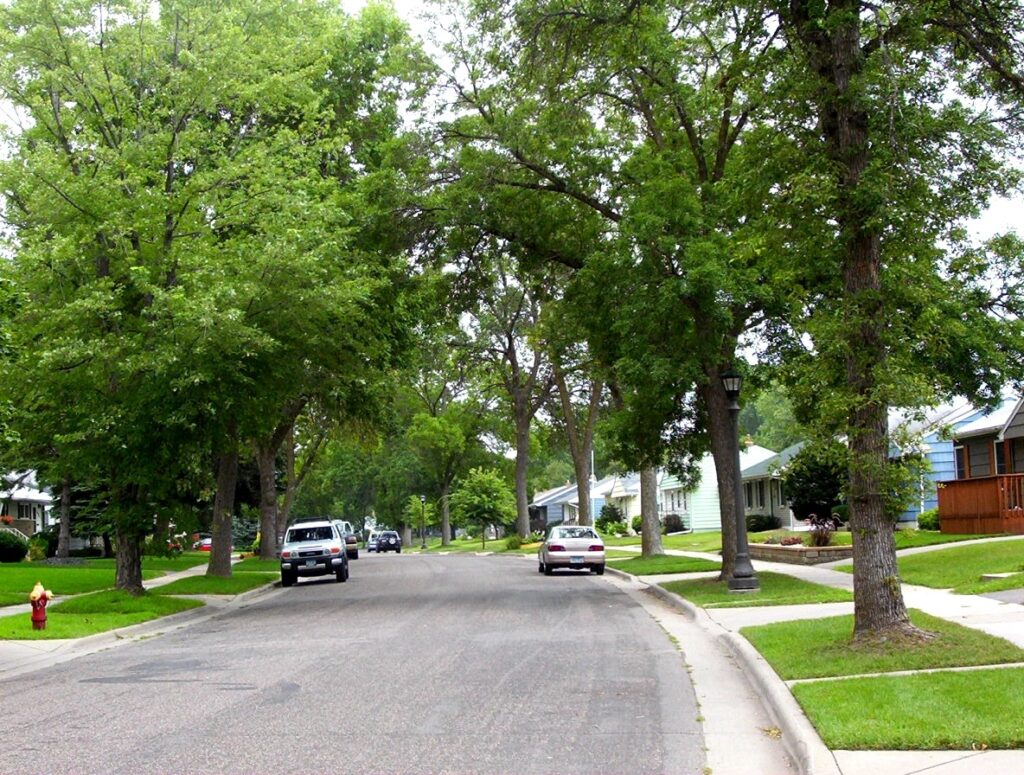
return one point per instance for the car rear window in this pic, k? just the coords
(321, 533)
(574, 532)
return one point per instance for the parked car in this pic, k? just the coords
(313, 549)
(389, 541)
(351, 539)
(571, 546)
(371, 542)
(204, 544)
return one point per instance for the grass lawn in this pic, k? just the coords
(17, 579)
(181, 562)
(962, 566)
(927, 711)
(817, 648)
(664, 563)
(214, 585)
(90, 614)
(256, 564)
(776, 589)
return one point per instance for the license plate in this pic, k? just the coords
(310, 563)
(575, 560)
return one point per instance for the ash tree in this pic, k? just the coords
(183, 249)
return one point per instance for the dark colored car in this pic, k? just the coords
(389, 541)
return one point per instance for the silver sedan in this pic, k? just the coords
(571, 546)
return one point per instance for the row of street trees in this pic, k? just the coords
(233, 220)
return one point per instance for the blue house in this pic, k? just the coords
(562, 504)
(931, 435)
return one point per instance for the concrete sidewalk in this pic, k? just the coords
(995, 617)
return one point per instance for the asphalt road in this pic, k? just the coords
(455, 664)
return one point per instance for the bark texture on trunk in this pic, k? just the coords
(723, 451)
(650, 533)
(64, 534)
(223, 514)
(291, 485)
(523, 417)
(129, 557)
(446, 519)
(265, 458)
(836, 55)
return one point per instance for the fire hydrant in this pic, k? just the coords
(39, 597)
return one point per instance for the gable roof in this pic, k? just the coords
(773, 465)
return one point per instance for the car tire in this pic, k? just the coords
(356, 555)
(341, 574)
(540, 567)
(548, 570)
(287, 579)
(598, 569)
(398, 551)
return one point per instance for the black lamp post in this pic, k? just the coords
(423, 522)
(743, 578)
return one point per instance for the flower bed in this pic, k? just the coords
(800, 555)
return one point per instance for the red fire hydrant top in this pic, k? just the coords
(39, 597)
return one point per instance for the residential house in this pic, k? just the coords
(699, 507)
(986, 492)
(28, 506)
(562, 504)
(763, 490)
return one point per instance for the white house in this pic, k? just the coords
(24, 503)
(699, 507)
(763, 490)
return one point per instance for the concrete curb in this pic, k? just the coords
(799, 737)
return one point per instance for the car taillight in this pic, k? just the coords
(286, 555)
(556, 548)
(595, 548)
(335, 550)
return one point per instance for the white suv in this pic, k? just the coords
(313, 549)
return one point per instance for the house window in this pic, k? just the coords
(979, 459)
(748, 495)
(760, 494)
(24, 511)
(1000, 457)
(960, 462)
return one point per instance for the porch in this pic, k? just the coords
(985, 504)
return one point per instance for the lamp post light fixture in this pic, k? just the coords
(743, 577)
(423, 522)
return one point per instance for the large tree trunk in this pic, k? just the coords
(723, 451)
(64, 534)
(129, 556)
(268, 501)
(650, 533)
(446, 520)
(835, 50)
(223, 513)
(290, 484)
(581, 440)
(522, 420)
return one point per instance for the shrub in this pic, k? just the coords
(638, 524)
(759, 523)
(513, 541)
(673, 523)
(43, 544)
(12, 547)
(822, 529)
(609, 515)
(791, 540)
(928, 520)
(842, 512)
(535, 538)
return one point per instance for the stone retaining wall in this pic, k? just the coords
(799, 555)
